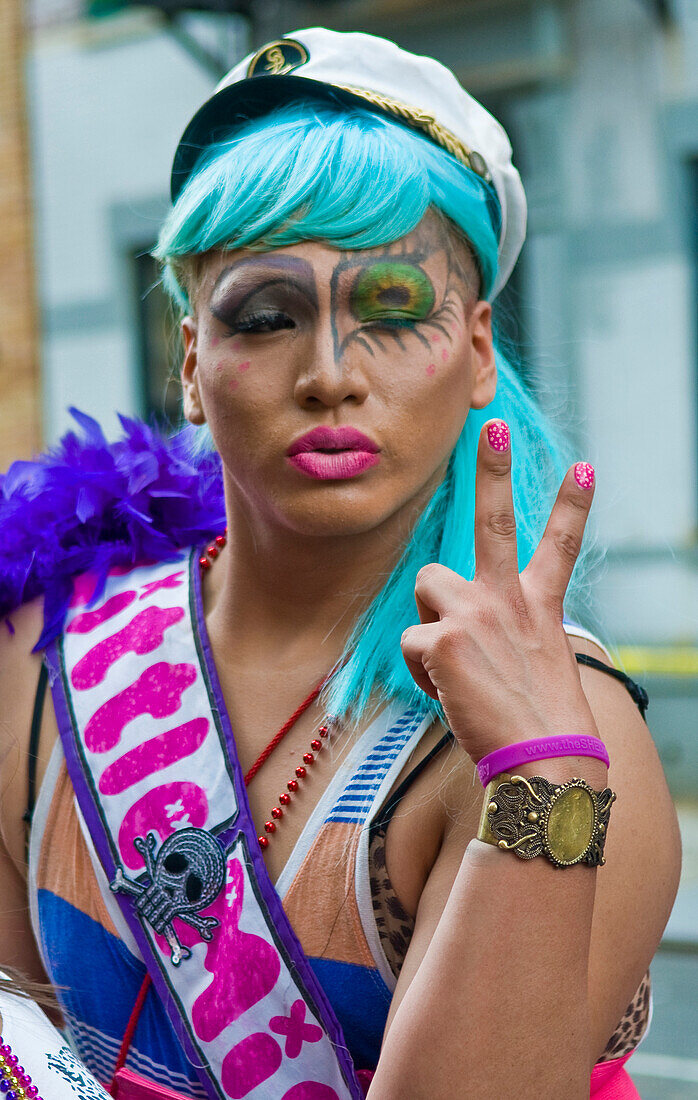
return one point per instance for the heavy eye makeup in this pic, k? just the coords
(393, 298)
(267, 305)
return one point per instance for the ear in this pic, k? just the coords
(483, 362)
(191, 398)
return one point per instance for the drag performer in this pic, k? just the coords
(320, 763)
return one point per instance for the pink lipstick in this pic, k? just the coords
(333, 453)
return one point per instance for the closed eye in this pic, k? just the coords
(262, 321)
(398, 328)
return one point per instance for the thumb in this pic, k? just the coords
(416, 642)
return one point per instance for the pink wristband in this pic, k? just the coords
(539, 748)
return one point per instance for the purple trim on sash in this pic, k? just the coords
(269, 896)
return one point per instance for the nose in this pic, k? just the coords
(329, 376)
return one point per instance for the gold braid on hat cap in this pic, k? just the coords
(426, 122)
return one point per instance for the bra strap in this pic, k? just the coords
(637, 692)
(33, 755)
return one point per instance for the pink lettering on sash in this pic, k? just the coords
(310, 1090)
(88, 620)
(166, 808)
(153, 755)
(244, 966)
(142, 635)
(157, 691)
(173, 581)
(295, 1029)
(251, 1061)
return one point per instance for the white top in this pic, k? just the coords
(44, 1053)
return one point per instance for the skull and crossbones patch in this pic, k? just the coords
(186, 875)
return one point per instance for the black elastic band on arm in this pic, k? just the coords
(637, 692)
(34, 743)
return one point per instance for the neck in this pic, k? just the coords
(277, 597)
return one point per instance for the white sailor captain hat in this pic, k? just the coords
(374, 73)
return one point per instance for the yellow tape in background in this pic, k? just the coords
(658, 660)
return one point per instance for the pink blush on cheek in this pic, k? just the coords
(431, 369)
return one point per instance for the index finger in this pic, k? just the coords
(552, 564)
(496, 557)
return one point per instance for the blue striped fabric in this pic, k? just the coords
(98, 981)
(354, 804)
(99, 1052)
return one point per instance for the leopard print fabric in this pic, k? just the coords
(395, 927)
(633, 1025)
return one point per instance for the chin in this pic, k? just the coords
(333, 509)
(327, 519)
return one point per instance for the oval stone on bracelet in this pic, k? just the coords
(569, 825)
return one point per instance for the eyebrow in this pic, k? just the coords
(267, 261)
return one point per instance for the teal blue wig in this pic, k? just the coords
(354, 180)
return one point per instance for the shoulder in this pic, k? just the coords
(19, 674)
(19, 667)
(637, 886)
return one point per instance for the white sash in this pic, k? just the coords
(152, 758)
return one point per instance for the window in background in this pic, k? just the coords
(159, 344)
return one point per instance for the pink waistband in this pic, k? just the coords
(609, 1081)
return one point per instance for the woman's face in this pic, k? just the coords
(384, 350)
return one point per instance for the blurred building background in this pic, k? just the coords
(600, 98)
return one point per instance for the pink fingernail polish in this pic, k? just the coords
(498, 436)
(584, 475)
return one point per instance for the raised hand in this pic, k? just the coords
(493, 650)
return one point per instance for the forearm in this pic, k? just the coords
(499, 1003)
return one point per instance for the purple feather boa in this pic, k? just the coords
(88, 505)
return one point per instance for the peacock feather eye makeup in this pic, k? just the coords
(392, 292)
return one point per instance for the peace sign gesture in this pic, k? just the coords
(493, 650)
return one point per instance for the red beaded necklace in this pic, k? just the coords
(316, 744)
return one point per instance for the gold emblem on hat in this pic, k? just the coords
(278, 58)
